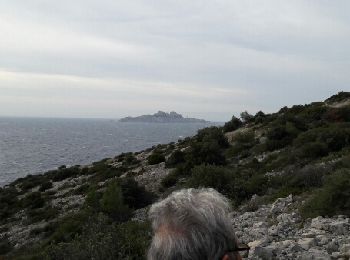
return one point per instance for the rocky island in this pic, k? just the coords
(162, 117)
(287, 175)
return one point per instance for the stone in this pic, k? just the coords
(319, 223)
(339, 227)
(345, 249)
(314, 254)
(306, 243)
(322, 240)
(264, 253)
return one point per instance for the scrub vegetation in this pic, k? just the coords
(302, 150)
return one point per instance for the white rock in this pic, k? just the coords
(306, 242)
(345, 249)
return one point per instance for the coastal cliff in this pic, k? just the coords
(287, 175)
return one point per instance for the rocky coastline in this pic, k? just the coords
(289, 200)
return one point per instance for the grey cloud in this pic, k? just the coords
(279, 52)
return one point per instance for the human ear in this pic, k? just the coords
(226, 257)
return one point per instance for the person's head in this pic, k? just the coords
(192, 224)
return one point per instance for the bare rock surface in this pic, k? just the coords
(152, 176)
(276, 231)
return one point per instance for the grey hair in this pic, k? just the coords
(191, 224)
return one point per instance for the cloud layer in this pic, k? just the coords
(202, 58)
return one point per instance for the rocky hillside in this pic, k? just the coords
(287, 175)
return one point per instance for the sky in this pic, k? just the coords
(206, 59)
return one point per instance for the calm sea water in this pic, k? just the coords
(33, 145)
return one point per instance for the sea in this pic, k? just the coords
(36, 145)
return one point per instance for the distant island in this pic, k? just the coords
(162, 117)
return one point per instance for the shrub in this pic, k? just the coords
(212, 134)
(245, 137)
(129, 159)
(101, 240)
(155, 158)
(175, 158)
(112, 202)
(341, 114)
(308, 177)
(246, 117)
(279, 137)
(33, 200)
(335, 136)
(170, 180)
(134, 195)
(103, 171)
(30, 181)
(47, 213)
(63, 173)
(332, 199)
(340, 96)
(139, 234)
(8, 202)
(69, 227)
(92, 200)
(313, 150)
(45, 186)
(257, 184)
(5, 246)
(232, 125)
(206, 152)
(216, 177)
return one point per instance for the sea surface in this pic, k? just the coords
(36, 145)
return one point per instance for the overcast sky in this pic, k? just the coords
(208, 59)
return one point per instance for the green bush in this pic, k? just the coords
(45, 186)
(313, 150)
(5, 246)
(335, 136)
(46, 213)
(129, 159)
(9, 203)
(212, 134)
(232, 125)
(169, 180)
(332, 199)
(341, 114)
(112, 202)
(93, 198)
(155, 158)
(217, 177)
(257, 184)
(33, 200)
(30, 181)
(259, 117)
(103, 171)
(175, 158)
(243, 141)
(206, 152)
(69, 227)
(340, 96)
(308, 177)
(133, 239)
(134, 195)
(63, 173)
(101, 240)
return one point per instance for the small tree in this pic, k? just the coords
(233, 124)
(246, 117)
(112, 202)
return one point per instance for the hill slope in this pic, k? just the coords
(95, 211)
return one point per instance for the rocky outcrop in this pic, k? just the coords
(162, 117)
(276, 231)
